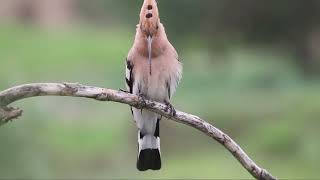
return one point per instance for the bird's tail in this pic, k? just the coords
(149, 156)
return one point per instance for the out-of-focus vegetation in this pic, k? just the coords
(253, 90)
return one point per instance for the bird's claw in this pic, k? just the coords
(170, 109)
(143, 99)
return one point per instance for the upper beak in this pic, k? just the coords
(149, 39)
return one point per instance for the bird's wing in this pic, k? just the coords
(129, 75)
(175, 78)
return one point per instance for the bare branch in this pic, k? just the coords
(101, 94)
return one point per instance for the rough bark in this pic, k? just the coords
(101, 94)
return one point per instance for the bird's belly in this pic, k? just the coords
(157, 89)
(154, 86)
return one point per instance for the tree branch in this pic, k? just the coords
(101, 94)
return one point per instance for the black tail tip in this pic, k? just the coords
(149, 159)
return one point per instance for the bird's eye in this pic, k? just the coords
(150, 7)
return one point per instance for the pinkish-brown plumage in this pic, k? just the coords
(151, 52)
(149, 17)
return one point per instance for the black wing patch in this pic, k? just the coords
(168, 88)
(129, 76)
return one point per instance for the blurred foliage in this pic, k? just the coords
(291, 25)
(241, 73)
(251, 93)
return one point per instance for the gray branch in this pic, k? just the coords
(101, 94)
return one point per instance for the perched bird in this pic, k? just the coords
(153, 71)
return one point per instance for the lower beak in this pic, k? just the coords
(149, 38)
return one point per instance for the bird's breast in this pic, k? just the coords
(158, 47)
(155, 85)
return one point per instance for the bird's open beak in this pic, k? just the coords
(149, 38)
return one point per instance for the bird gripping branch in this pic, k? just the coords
(153, 71)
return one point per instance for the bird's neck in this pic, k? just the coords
(159, 42)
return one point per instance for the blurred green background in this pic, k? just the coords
(251, 68)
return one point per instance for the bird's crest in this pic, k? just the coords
(149, 17)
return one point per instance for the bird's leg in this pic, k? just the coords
(143, 98)
(170, 109)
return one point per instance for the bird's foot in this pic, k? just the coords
(143, 100)
(170, 109)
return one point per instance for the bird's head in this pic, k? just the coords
(149, 23)
(149, 18)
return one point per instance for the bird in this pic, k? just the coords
(153, 72)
